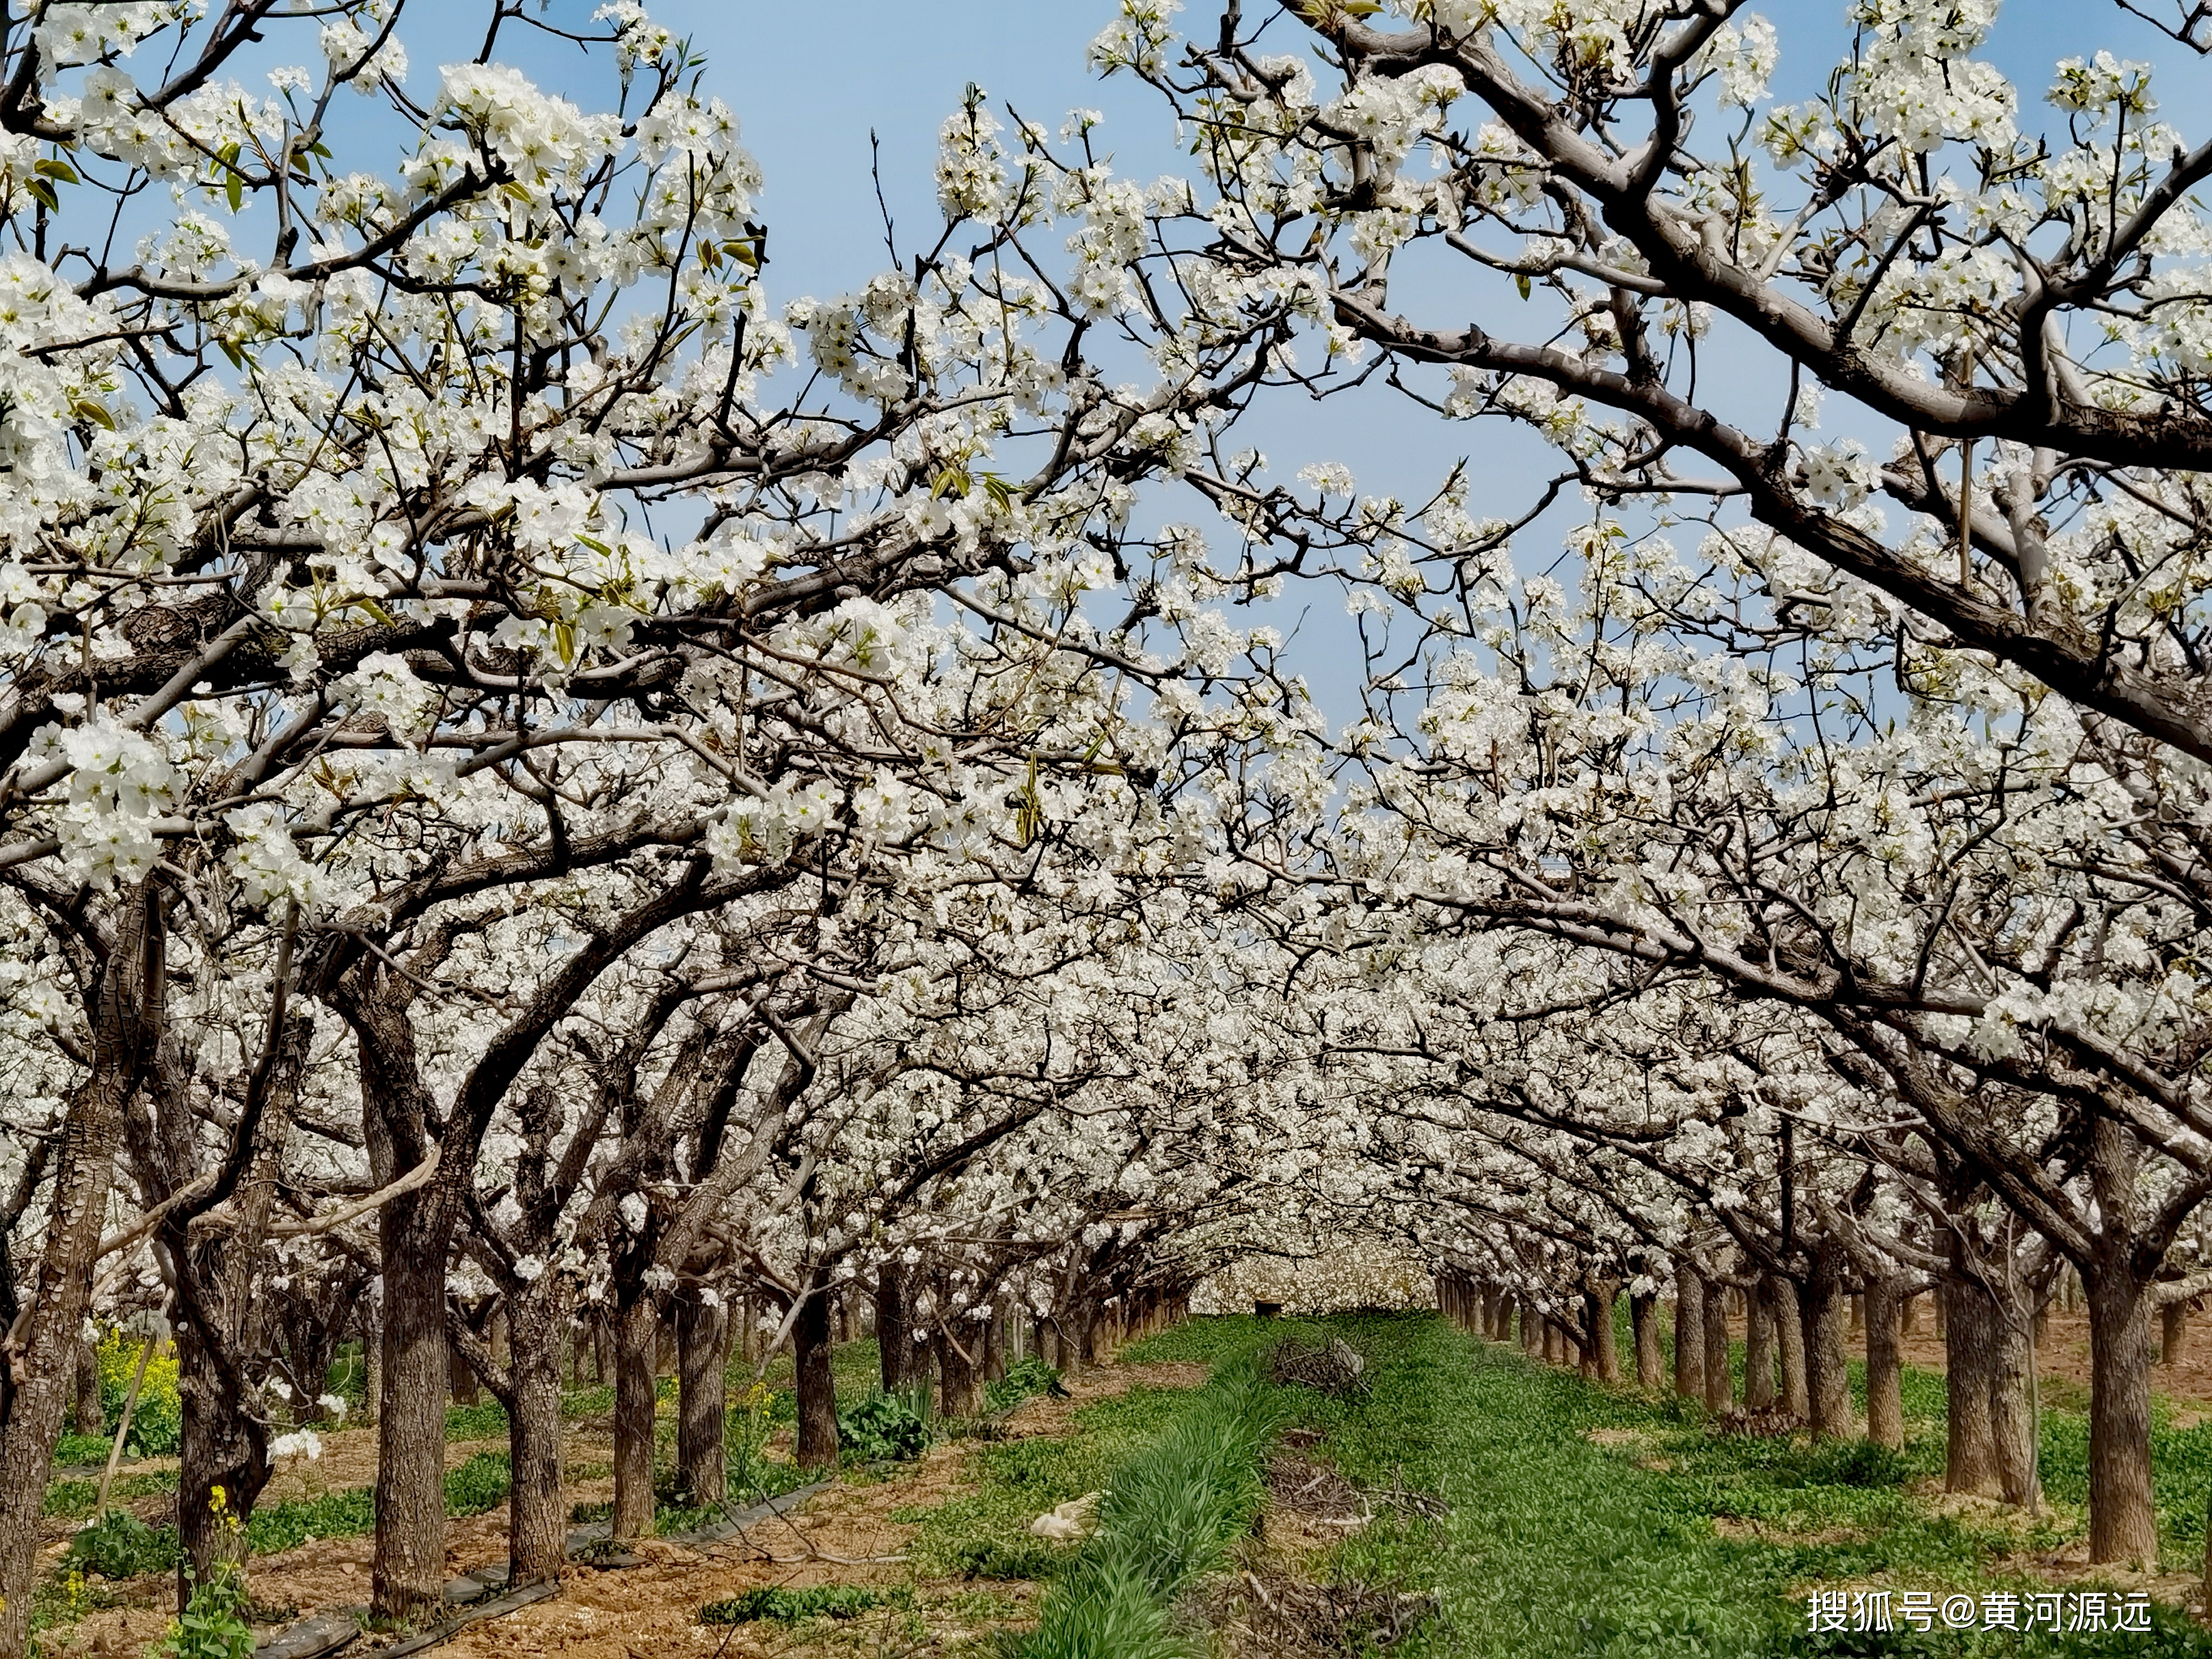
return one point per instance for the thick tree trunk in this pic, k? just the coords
(410, 1574)
(217, 1446)
(461, 1384)
(637, 1340)
(960, 1395)
(2122, 1524)
(1827, 1374)
(371, 1358)
(1689, 1332)
(1720, 1383)
(1644, 1322)
(1598, 1305)
(994, 1347)
(1885, 1365)
(2173, 1333)
(818, 1390)
(1086, 1331)
(37, 1368)
(1970, 1368)
(87, 1416)
(1789, 1335)
(702, 1350)
(1758, 1392)
(537, 1524)
(2012, 1419)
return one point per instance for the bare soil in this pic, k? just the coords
(2062, 1355)
(651, 1611)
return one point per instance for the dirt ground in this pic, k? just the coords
(843, 1536)
(2062, 1355)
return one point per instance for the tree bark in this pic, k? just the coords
(959, 1394)
(1885, 1364)
(89, 1418)
(1789, 1332)
(461, 1384)
(1689, 1332)
(218, 1446)
(1758, 1392)
(2123, 1523)
(372, 1356)
(817, 1389)
(37, 1354)
(1644, 1322)
(637, 1332)
(1966, 1315)
(893, 1337)
(994, 1347)
(1720, 1383)
(1598, 1304)
(702, 1352)
(415, 1239)
(1827, 1374)
(2173, 1333)
(537, 1525)
(2012, 1421)
(410, 1573)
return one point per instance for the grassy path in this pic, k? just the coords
(1592, 1523)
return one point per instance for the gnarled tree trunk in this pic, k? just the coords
(702, 1350)
(537, 1525)
(817, 1389)
(1720, 1383)
(1885, 1364)
(1689, 1331)
(1758, 1347)
(2123, 1523)
(637, 1335)
(1790, 1333)
(1969, 1464)
(1644, 1322)
(1827, 1374)
(37, 1354)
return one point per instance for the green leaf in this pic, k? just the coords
(1521, 282)
(95, 412)
(43, 192)
(50, 168)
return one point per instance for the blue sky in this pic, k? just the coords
(810, 83)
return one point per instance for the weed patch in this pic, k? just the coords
(790, 1607)
(1168, 1515)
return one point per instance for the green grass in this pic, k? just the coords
(485, 1420)
(75, 1451)
(474, 1486)
(1672, 1541)
(1167, 1518)
(983, 1530)
(790, 1607)
(75, 1500)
